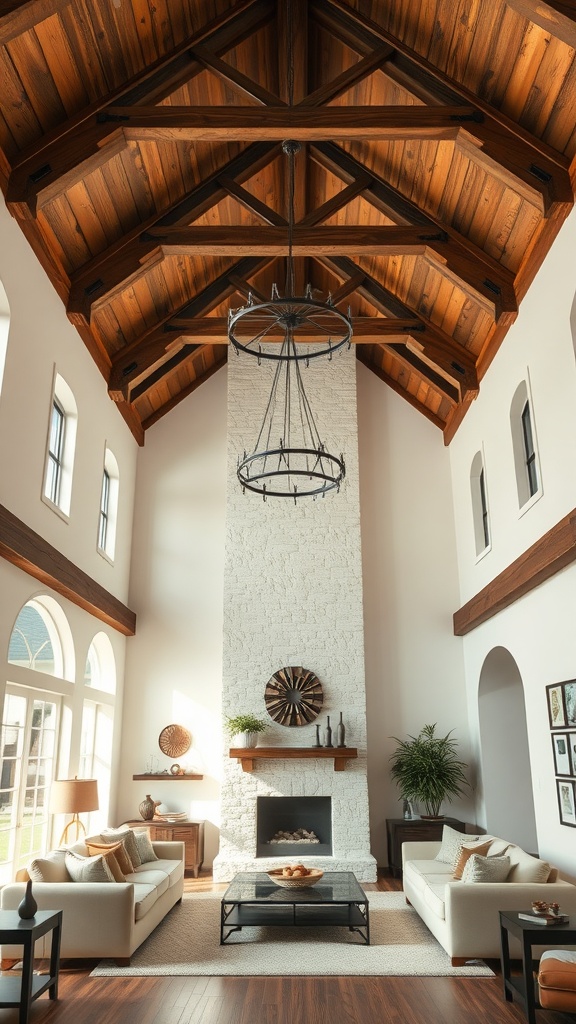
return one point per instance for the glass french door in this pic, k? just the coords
(27, 756)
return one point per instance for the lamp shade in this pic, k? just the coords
(72, 796)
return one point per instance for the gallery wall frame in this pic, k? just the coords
(567, 801)
(561, 704)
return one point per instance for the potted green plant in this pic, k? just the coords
(427, 769)
(244, 729)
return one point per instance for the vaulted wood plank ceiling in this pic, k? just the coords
(140, 151)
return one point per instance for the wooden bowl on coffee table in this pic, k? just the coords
(295, 881)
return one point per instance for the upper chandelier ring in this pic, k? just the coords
(318, 326)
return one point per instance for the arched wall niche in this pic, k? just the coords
(4, 329)
(505, 757)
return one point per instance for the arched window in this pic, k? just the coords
(100, 671)
(34, 642)
(60, 447)
(108, 505)
(526, 463)
(98, 723)
(479, 494)
(4, 328)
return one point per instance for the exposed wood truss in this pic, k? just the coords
(140, 149)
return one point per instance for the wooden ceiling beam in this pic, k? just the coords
(558, 17)
(541, 168)
(120, 263)
(293, 77)
(436, 380)
(64, 155)
(471, 264)
(451, 358)
(250, 202)
(247, 87)
(139, 359)
(395, 386)
(348, 78)
(19, 16)
(367, 330)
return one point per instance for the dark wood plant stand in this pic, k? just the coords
(413, 830)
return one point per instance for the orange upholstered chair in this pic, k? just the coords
(557, 980)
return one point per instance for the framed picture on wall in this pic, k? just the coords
(562, 758)
(556, 708)
(570, 701)
(572, 748)
(566, 802)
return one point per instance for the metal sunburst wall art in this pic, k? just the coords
(293, 696)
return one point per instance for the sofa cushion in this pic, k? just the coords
(145, 897)
(49, 868)
(148, 876)
(109, 854)
(452, 842)
(466, 851)
(525, 868)
(434, 897)
(88, 869)
(173, 868)
(126, 836)
(486, 869)
(420, 872)
(144, 844)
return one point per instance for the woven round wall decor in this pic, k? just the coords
(293, 696)
(174, 740)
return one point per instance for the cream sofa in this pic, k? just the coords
(463, 916)
(106, 919)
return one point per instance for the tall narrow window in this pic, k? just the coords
(479, 496)
(104, 510)
(525, 446)
(60, 447)
(55, 453)
(529, 450)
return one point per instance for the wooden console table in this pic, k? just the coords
(248, 755)
(413, 830)
(191, 833)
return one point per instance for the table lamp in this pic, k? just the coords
(73, 796)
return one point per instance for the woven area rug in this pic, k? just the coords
(187, 942)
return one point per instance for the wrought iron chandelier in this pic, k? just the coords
(289, 459)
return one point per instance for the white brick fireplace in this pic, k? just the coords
(293, 596)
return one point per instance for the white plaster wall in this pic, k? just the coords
(537, 630)
(174, 663)
(414, 664)
(40, 339)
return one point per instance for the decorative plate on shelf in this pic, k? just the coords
(293, 696)
(174, 740)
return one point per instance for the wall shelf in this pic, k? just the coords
(166, 775)
(247, 756)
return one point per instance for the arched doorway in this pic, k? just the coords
(506, 772)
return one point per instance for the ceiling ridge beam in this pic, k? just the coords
(143, 355)
(126, 259)
(70, 150)
(435, 344)
(481, 271)
(532, 151)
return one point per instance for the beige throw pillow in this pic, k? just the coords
(466, 851)
(144, 844)
(49, 868)
(88, 869)
(109, 854)
(452, 842)
(486, 869)
(126, 836)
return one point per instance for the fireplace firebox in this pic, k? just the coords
(276, 814)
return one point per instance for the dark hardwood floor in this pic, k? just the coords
(290, 1000)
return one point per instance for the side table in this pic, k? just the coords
(191, 833)
(529, 935)
(411, 830)
(14, 931)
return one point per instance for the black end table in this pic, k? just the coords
(14, 931)
(529, 935)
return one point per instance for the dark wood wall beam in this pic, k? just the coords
(437, 346)
(551, 553)
(67, 153)
(394, 385)
(554, 16)
(480, 270)
(122, 262)
(30, 552)
(525, 149)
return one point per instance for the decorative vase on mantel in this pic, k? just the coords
(27, 907)
(147, 808)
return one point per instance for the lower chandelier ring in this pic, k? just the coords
(331, 475)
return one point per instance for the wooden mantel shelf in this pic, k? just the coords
(248, 755)
(165, 776)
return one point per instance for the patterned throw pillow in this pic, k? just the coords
(109, 854)
(88, 869)
(486, 869)
(452, 842)
(466, 851)
(49, 868)
(126, 836)
(144, 844)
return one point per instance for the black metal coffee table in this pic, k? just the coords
(337, 900)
